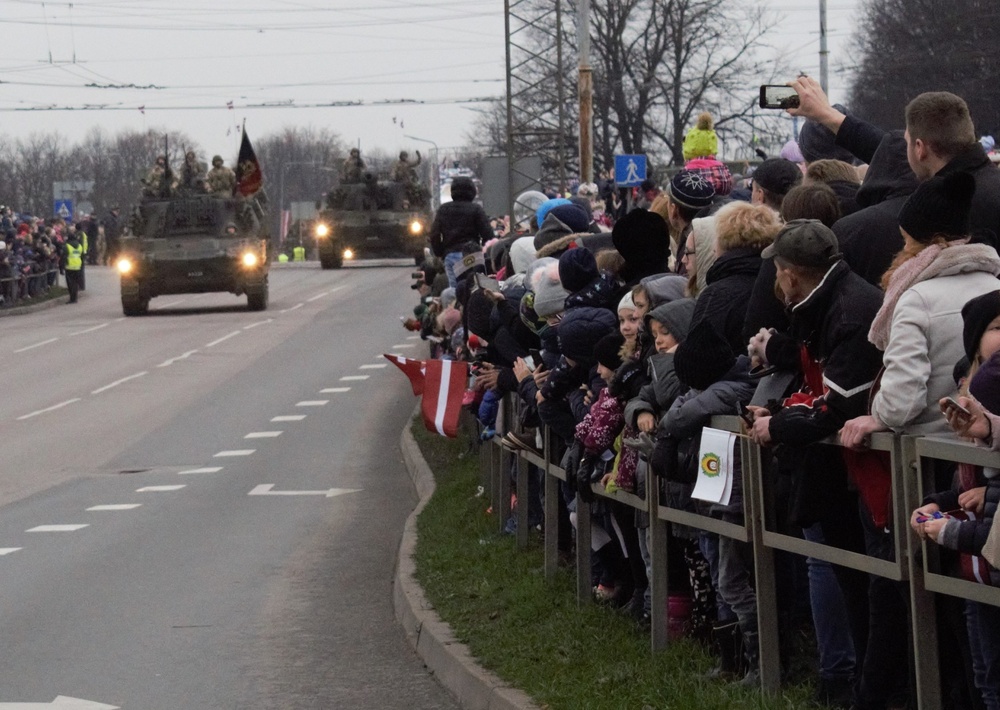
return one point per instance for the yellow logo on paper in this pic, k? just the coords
(711, 465)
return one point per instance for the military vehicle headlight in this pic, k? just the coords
(250, 259)
(348, 254)
(322, 230)
(124, 265)
(416, 227)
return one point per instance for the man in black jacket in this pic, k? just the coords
(460, 227)
(831, 309)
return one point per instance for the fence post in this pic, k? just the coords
(766, 584)
(522, 501)
(551, 510)
(659, 594)
(583, 586)
(923, 614)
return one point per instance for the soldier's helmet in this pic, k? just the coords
(403, 155)
(216, 160)
(161, 160)
(230, 228)
(355, 152)
(189, 155)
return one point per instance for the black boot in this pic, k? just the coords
(751, 656)
(728, 642)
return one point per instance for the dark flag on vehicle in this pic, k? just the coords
(249, 178)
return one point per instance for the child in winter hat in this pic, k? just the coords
(701, 145)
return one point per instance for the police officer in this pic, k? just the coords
(299, 253)
(221, 180)
(73, 252)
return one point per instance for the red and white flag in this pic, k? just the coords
(441, 383)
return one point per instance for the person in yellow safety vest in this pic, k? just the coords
(282, 258)
(73, 253)
(81, 235)
(299, 253)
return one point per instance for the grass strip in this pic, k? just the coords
(529, 631)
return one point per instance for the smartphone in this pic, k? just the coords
(778, 96)
(536, 354)
(530, 362)
(952, 404)
(745, 414)
(487, 283)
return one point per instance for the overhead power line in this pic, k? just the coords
(274, 104)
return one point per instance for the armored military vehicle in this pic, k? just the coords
(372, 218)
(194, 244)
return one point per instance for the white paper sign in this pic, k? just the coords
(715, 466)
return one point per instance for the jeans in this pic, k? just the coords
(736, 579)
(450, 259)
(833, 637)
(983, 621)
(708, 543)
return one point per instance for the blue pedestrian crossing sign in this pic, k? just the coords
(630, 170)
(63, 208)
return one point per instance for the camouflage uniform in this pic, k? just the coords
(221, 180)
(403, 169)
(154, 182)
(354, 167)
(192, 176)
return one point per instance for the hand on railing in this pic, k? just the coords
(855, 433)
(760, 433)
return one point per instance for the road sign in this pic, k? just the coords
(63, 208)
(630, 170)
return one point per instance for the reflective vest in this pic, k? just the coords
(282, 258)
(74, 257)
(299, 254)
(83, 240)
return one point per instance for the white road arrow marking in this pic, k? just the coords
(60, 703)
(265, 490)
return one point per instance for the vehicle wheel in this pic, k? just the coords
(135, 305)
(257, 299)
(331, 262)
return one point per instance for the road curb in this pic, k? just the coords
(32, 307)
(433, 640)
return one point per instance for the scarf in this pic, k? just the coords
(929, 263)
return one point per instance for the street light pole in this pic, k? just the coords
(435, 174)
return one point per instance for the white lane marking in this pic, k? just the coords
(312, 403)
(234, 452)
(115, 506)
(207, 469)
(374, 367)
(58, 528)
(223, 339)
(260, 322)
(331, 390)
(37, 345)
(105, 388)
(89, 330)
(172, 303)
(354, 378)
(289, 418)
(317, 297)
(413, 337)
(49, 409)
(404, 345)
(171, 361)
(9, 550)
(297, 305)
(263, 434)
(160, 489)
(264, 489)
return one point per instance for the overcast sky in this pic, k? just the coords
(185, 61)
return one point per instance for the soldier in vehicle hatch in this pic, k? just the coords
(221, 180)
(354, 167)
(158, 179)
(192, 175)
(404, 170)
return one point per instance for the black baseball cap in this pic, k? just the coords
(805, 242)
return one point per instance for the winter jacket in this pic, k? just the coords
(870, 238)
(724, 300)
(458, 223)
(969, 536)
(602, 424)
(924, 345)
(659, 393)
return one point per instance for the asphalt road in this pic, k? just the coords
(136, 568)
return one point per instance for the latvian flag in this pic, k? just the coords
(441, 383)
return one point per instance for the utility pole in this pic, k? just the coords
(586, 89)
(824, 53)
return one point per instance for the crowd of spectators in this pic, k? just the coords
(857, 274)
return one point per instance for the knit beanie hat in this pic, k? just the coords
(778, 175)
(701, 141)
(642, 238)
(790, 151)
(550, 296)
(977, 315)
(543, 209)
(522, 253)
(607, 351)
(478, 313)
(690, 189)
(940, 205)
(451, 318)
(674, 316)
(817, 142)
(577, 268)
(985, 384)
(988, 143)
(627, 303)
(448, 298)
(703, 358)
(580, 330)
(573, 216)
